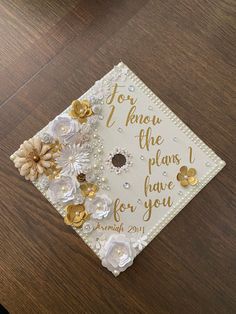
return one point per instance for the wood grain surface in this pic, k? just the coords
(51, 52)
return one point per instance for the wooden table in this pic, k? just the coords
(52, 52)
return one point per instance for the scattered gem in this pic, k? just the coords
(142, 157)
(150, 108)
(131, 88)
(120, 130)
(175, 139)
(139, 201)
(126, 185)
(164, 173)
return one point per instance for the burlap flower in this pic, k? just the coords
(81, 110)
(76, 215)
(33, 158)
(187, 176)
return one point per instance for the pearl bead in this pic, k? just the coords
(103, 179)
(70, 158)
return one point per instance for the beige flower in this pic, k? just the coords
(81, 110)
(76, 215)
(187, 176)
(33, 158)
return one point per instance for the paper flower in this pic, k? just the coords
(187, 176)
(88, 189)
(64, 129)
(73, 160)
(139, 243)
(81, 110)
(99, 206)
(76, 215)
(117, 253)
(32, 158)
(46, 138)
(62, 190)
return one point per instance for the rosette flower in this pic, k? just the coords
(81, 110)
(62, 190)
(64, 129)
(99, 206)
(76, 215)
(117, 253)
(33, 158)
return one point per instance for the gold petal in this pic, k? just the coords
(191, 172)
(183, 170)
(67, 222)
(180, 177)
(184, 183)
(78, 224)
(192, 180)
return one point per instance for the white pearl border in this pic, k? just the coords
(219, 164)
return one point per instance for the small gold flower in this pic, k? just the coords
(81, 110)
(76, 215)
(88, 189)
(55, 147)
(187, 176)
(81, 177)
(52, 172)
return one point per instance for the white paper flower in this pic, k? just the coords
(64, 129)
(99, 206)
(140, 242)
(62, 190)
(73, 159)
(46, 138)
(117, 253)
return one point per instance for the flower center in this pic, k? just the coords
(185, 177)
(36, 158)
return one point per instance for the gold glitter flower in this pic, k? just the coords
(76, 215)
(88, 189)
(81, 110)
(33, 158)
(187, 176)
(55, 147)
(53, 172)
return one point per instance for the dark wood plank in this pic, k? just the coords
(53, 51)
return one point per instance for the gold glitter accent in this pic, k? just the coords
(81, 110)
(55, 147)
(88, 189)
(76, 215)
(187, 176)
(53, 172)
